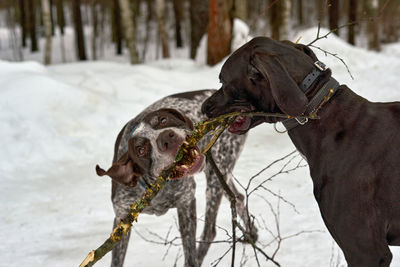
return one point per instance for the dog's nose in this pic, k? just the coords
(167, 140)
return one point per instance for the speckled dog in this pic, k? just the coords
(149, 143)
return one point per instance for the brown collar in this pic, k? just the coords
(320, 98)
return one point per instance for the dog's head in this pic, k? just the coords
(262, 75)
(153, 146)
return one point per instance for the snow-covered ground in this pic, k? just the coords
(58, 122)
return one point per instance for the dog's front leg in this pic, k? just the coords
(214, 194)
(119, 251)
(187, 226)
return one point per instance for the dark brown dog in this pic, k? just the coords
(353, 149)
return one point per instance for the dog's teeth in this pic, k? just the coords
(185, 143)
(185, 167)
(195, 152)
(239, 118)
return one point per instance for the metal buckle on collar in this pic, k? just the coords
(321, 66)
(302, 121)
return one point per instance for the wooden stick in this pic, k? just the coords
(218, 125)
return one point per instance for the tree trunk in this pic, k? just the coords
(117, 28)
(333, 7)
(23, 22)
(287, 7)
(103, 21)
(198, 21)
(32, 25)
(79, 35)
(178, 11)
(95, 29)
(300, 12)
(240, 9)
(320, 11)
(276, 18)
(148, 30)
(373, 25)
(53, 33)
(352, 21)
(60, 15)
(160, 11)
(129, 30)
(13, 39)
(390, 23)
(219, 31)
(47, 28)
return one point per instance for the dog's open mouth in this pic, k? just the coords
(190, 163)
(240, 125)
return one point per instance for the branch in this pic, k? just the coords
(232, 200)
(217, 125)
(330, 32)
(336, 56)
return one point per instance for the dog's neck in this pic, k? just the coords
(318, 83)
(333, 118)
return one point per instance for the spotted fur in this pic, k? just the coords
(179, 193)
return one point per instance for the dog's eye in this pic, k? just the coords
(141, 151)
(163, 121)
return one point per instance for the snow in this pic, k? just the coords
(58, 122)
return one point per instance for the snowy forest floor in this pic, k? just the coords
(58, 122)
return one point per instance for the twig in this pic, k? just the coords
(330, 32)
(200, 130)
(318, 37)
(336, 56)
(232, 200)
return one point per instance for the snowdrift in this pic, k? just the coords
(57, 122)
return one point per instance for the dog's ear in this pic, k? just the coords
(286, 93)
(122, 171)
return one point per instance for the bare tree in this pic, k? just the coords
(178, 11)
(160, 11)
(300, 12)
(47, 28)
(285, 27)
(198, 21)
(333, 7)
(32, 25)
(11, 24)
(390, 21)
(352, 18)
(61, 26)
(129, 30)
(116, 26)
(240, 9)
(276, 18)
(60, 15)
(23, 23)
(79, 36)
(149, 18)
(321, 10)
(371, 7)
(219, 31)
(94, 11)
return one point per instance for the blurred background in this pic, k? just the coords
(59, 31)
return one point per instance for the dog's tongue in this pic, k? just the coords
(241, 123)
